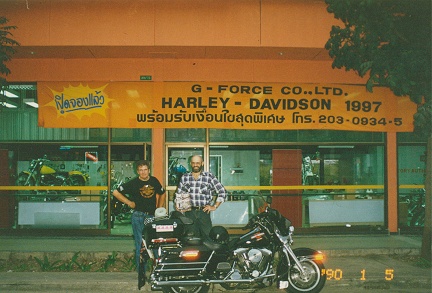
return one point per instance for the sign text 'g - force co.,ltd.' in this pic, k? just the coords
(222, 105)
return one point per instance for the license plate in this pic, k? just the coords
(164, 228)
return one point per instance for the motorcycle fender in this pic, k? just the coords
(77, 173)
(307, 252)
(29, 174)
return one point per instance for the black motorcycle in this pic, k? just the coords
(257, 259)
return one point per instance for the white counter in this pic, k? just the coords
(52, 214)
(353, 212)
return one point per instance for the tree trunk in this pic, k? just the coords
(426, 242)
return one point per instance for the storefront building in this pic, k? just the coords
(246, 84)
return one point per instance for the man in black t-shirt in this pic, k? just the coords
(145, 194)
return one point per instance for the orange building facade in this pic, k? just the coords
(151, 41)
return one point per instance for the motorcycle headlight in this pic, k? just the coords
(319, 256)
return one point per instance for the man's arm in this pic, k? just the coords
(160, 200)
(220, 190)
(123, 199)
(221, 194)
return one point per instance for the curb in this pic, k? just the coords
(118, 282)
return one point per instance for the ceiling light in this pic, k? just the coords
(8, 94)
(8, 105)
(31, 103)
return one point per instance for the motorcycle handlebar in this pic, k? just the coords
(253, 220)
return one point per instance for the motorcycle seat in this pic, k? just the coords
(215, 246)
(192, 241)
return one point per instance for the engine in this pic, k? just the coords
(252, 262)
(52, 180)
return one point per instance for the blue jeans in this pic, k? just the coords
(137, 228)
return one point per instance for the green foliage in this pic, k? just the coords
(387, 40)
(7, 47)
(110, 261)
(128, 263)
(24, 267)
(83, 266)
(68, 266)
(78, 263)
(47, 266)
(422, 118)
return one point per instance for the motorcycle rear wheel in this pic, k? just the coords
(186, 289)
(312, 282)
(75, 180)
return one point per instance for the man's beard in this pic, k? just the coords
(197, 169)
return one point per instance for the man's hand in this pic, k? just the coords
(209, 208)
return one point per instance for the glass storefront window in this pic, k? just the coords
(58, 185)
(185, 135)
(307, 136)
(131, 135)
(411, 175)
(355, 171)
(65, 185)
(179, 162)
(410, 137)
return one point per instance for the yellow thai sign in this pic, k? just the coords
(230, 105)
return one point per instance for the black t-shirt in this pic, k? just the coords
(143, 193)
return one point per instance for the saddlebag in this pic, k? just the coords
(164, 228)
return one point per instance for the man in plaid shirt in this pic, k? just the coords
(200, 186)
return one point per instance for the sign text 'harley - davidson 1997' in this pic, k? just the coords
(228, 105)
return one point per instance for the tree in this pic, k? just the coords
(7, 49)
(389, 42)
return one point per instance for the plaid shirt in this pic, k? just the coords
(200, 190)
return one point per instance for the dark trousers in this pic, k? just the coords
(202, 224)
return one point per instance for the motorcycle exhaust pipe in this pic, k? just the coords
(207, 282)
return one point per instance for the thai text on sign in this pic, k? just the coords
(229, 105)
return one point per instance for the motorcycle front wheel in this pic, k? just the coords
(24, 180)
(312, 281)
(187, 289)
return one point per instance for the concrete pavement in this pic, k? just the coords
(353, 263)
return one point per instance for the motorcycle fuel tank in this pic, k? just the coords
(255, 238)
(47, 170)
